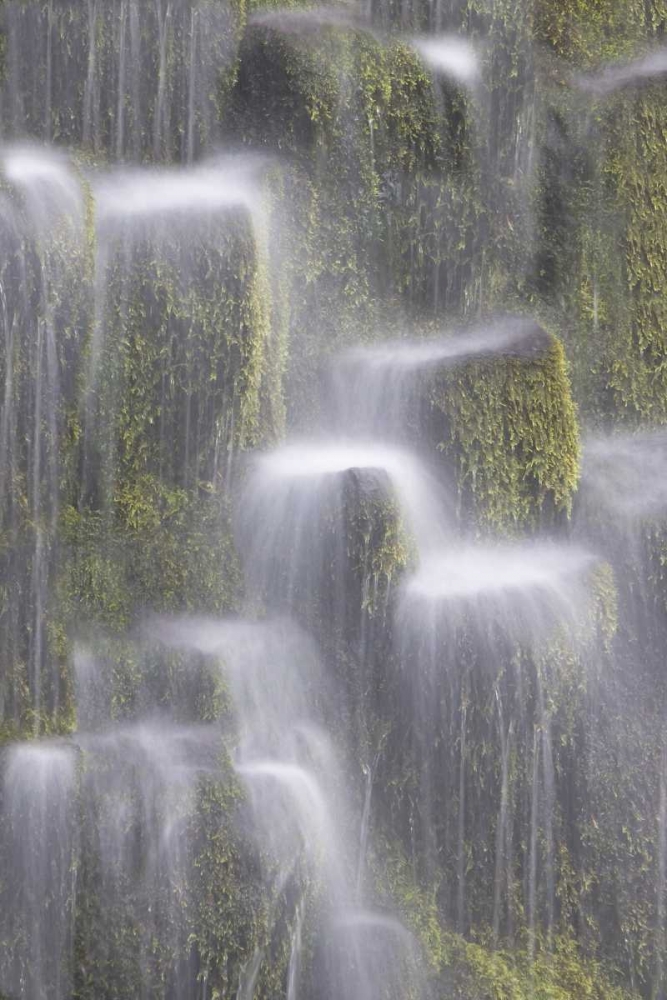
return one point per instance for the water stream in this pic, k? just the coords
(283, 713)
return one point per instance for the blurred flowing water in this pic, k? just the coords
(389, 674)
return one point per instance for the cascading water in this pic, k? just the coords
(38, 845)
(137, 79)
(42, 238)
(450, 56)
(371, 709)
(377, 389)
(614, 77)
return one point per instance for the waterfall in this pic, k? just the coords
(333, 493)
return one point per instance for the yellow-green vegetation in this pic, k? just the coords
(184, 354)
(559, 974)
(395, 196)
(380, 211)
(160, 550)
(604, 208)
(150, 408)
(223, 912)
(237, 921)
(377, 544)
(638, 170)
(614, 255)
(474, 969)
(592, 31)
(163, 549)
(158, 120)
(509, 424)
(42, 274)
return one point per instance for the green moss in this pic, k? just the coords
(183, 368)
(638, 169)
(604, 251)
(79, 116)
(124, 929)
(181, 556)
(380, 210)
(230, 919)
(164, 550)
(603, 200)
(377, 544)
(159, 550)
(43, 275)
(472, 970)
(592, 31)
(510, 427)
(558, 975)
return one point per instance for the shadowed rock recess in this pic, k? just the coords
(333, 500)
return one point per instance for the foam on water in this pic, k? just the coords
(40, 771)
(522, 591)
(461, 620)
(307, 460)
(271, 667)
(375, 957)
(302, 797)
(287, 762)
(169, 751)
(162, 762)
(241, 641)
(375, 923)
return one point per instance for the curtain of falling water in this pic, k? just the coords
(353, 707)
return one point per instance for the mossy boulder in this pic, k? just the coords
(180, 370)
(508, 424)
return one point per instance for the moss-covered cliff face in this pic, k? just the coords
(380, 192)
(123, 80)
(510, 428)
(604, 222)
(473, 969)
(498, 785)
(46, 259)
(181, 380)
(136, 365)
(482, 771)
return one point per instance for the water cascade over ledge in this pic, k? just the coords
(333, 516)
